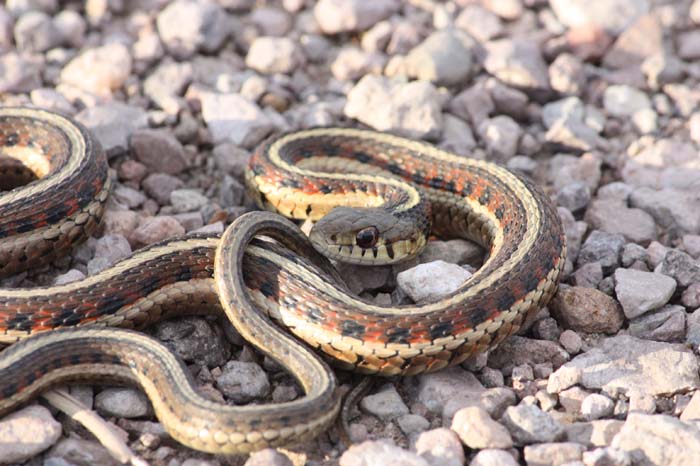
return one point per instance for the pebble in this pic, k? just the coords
(658, 439)
(412, 423)
(444, 58)
(99, 70)
(420, 284)
(166, 84)
(612, 15)
(113, 124)
(386, 404)
(517, 63)
(528, 424)
(243, 382)
(606, 456)
(412, 109)
(665, 324)
(625, 363)
(553, 454)
(692, 410)
(500, 134)
(158, 151)
(207, 27)
(597, 433)
(478, 431)
(156, 229)
(669, 207)
(232, 118)
(640, 292)
(76, 451)
(613, 216)
(26, 433)
(35, 32)
(352, 63)
(435, 390)
(440, 447)
(571, 341)
(602, 247)
(379, 453)
(493, 458)
(336, 16)
(586, 310)
(122, 402)
(679, 265)
(482, 24)
(274, 55)
(187, 200)
(194, 340)
(518, 350)
(268, 457)
(596, 406)
(624, 101)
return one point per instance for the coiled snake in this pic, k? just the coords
(264, 285)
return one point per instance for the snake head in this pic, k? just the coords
(366, 236)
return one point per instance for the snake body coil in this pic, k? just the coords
(258, 282)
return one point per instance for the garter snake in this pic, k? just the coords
(265, 285)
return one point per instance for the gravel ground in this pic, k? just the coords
(598, 101)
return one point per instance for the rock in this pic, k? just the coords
(528, 424)
(688, 48)
(572, 398)
(232, 118)
(243, 382)
(99, 70)
(122, 402)
(602, 247)
(188, 26)
(159, 186)
(659, 439)
(271, 21)
(640, 292)
(623, 101)
(586, 310)
(440, 447)
(493, 458)
(692, 410)
(479, 22)
(571, 341)
(159, 151)
(268, 457)
(353, 63)
(671, 208)
(574, 134)
(444, 58)
(612, 15)
(457, 135)
(378, 453)
(518, 350)
(435, 390)
(194, 340)
(613, 216)
(666, 324)
(477, 430)
(553, 454)
(661, 69)
(70, 27)
(36, 33)
(501, 135)
(474, 104)
(386, 404)
(52, 100)
(75, 451)
(597, 433)
(685, 98)
(596, 406)
(166, 84)
(156, 229)
(679, 265)
(644, 38)
(563, 109)
(606, 456)
(274, 55)
(412, 109)
(187, 200)
(112, 124)
(588, 41)
(517, 63)
(566, 74)
(335, 16)
(624, 363)
(26, 433)
(412, 424)
(691, 296)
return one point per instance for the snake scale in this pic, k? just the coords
(56, 182)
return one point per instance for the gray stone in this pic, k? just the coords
(640, 292)
(493, 458)
(613, 216)
(473, 104)
(444, 58)
(207, 27)
(574, 134)
(623, 101)
(243, 382)
(75, 451)
(606, 457)
(266, 457)
(571, 341)
(518, 350)
(563, 109)
(596, 406)
(435, 390)
(274, 55)
(412, 109)
(598, 433)
(688, 48)
(36, 33)
(479, 22)
(187, 200)
(661, 69)
(602, 247)
(659, 439)
(644, 38)
(566, 74)
(112, 124)
(440, 447)
(586, 310)
(528, 424)
(588, 275)
(574, 196)
(99, 70)
(159, 151)
(680, 266)
(625, 363)
(671, 208)
(613, 15)
(666, 324)
(501, 135)
(166, 84)
(457, 135)
(232, 118)
(353, 63)
(26, 433)
(335, 16)
(412, 424)
(386, 404)
(154, 229)
(477, 430)
(122, 402)
(378, 453)
(194, 340)
(553, 454)
(517, 63)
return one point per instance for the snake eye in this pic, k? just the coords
(367, 237)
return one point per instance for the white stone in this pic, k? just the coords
(432, 281)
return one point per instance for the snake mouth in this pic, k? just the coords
(380, 254)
